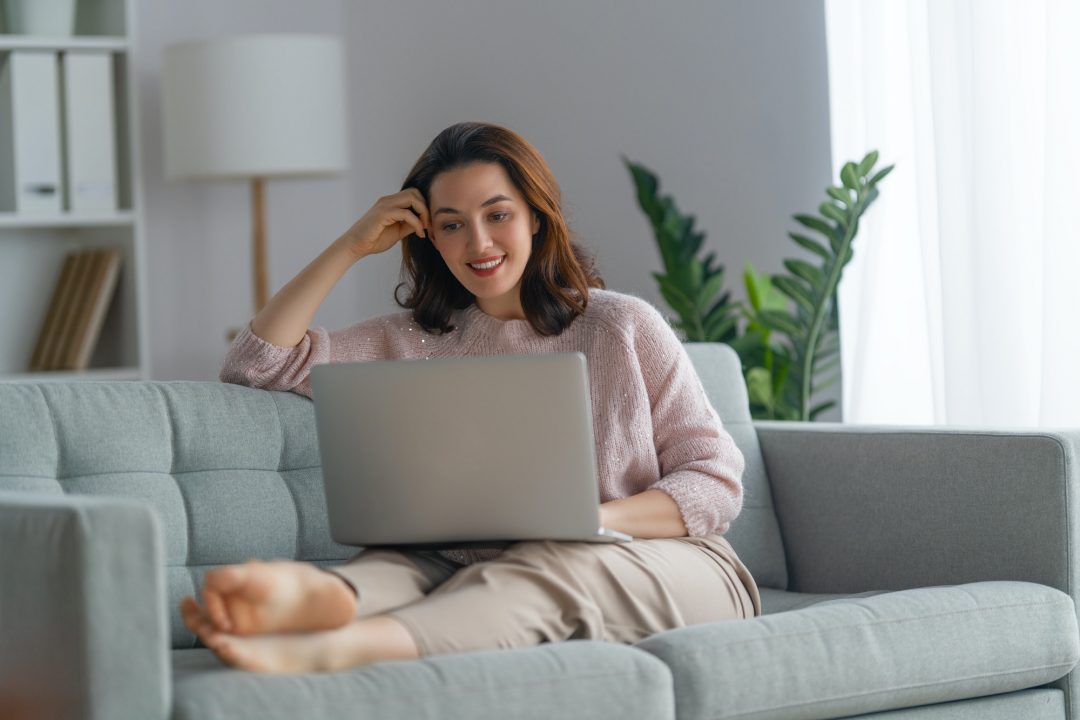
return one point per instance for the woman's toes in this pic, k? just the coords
(189, 613)
(215, 610)
(225, 578)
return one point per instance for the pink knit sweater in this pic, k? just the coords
(654, 426)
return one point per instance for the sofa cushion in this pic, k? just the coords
(776, 601)
(755, 534)
(572, 679)
(891, 650)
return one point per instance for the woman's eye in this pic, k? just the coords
(501, 214)
(448, 226)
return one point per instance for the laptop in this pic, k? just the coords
(459, 452)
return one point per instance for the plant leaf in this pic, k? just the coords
(867, 163)
(794, 290)
(816, 223)
(720, 327)
(849, 176)
(833, 213)
(752, 282)
(675, 297)
(806, 271)
(812, 245)
(881, 174)
(839, 194)
(759, 386)
(821, 408)
(780, 320)
(709, 288)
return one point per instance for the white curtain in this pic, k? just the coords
(962, 302)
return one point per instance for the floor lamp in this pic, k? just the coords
(252, 107)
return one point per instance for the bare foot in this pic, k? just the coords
(357, 643)
(274, 597)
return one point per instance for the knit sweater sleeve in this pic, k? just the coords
(254, 362)
(701, 467)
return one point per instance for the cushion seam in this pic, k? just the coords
(158, 472)
(56, 439)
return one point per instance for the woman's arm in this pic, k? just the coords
(285, 319)
(276, 350)
(649, 514)
(700, 465)
(289, 313)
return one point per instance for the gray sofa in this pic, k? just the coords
(905, 572)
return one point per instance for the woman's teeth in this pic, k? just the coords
(487, 265)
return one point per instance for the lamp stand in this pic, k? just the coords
(258, 245)
(258, 249)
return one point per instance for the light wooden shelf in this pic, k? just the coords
(61, 42)
(14, 220)
(119, 373)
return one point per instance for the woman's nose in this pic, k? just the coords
(478, 240)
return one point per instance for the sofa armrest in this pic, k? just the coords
(888, 507)
(83, 628)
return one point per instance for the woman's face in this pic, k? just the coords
(483, 229)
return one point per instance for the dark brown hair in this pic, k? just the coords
(556, 280)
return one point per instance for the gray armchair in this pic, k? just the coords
(905, 572)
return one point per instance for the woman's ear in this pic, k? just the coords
(536, 223)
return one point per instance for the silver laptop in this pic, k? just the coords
(459, 452)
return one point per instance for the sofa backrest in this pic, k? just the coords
(234, 472)
(755, 534)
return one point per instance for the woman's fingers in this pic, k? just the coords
(420, 207)
(408, 217)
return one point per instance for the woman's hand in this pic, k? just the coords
(390, 219)
(649, 514)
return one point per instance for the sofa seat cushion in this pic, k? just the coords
(846, 656)
(573, 679)
(774, 601)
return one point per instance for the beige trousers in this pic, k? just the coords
(547, 591)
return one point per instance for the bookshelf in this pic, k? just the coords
(33, 247)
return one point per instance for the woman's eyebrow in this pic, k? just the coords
(487, 202)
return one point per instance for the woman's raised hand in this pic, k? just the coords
(390, 219)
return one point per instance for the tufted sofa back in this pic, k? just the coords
(234, 472)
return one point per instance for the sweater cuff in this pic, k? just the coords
(701, 500)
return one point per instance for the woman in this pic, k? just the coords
(491, 270)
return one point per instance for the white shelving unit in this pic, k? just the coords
(32, 249)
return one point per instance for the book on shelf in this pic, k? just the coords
(76, 312)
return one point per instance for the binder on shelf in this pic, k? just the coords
(77, 310)
(89, 130)
(30, 161)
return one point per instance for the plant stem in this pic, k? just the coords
(819, 312)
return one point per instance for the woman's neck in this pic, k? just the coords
(507, 307)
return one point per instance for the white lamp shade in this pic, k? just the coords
(254, 106)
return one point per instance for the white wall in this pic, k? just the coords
(726, 101)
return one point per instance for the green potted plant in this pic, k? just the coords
(791, 334)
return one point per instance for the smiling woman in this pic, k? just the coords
(494, 198)
(492, 270)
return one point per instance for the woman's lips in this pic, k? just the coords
(490, 271)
